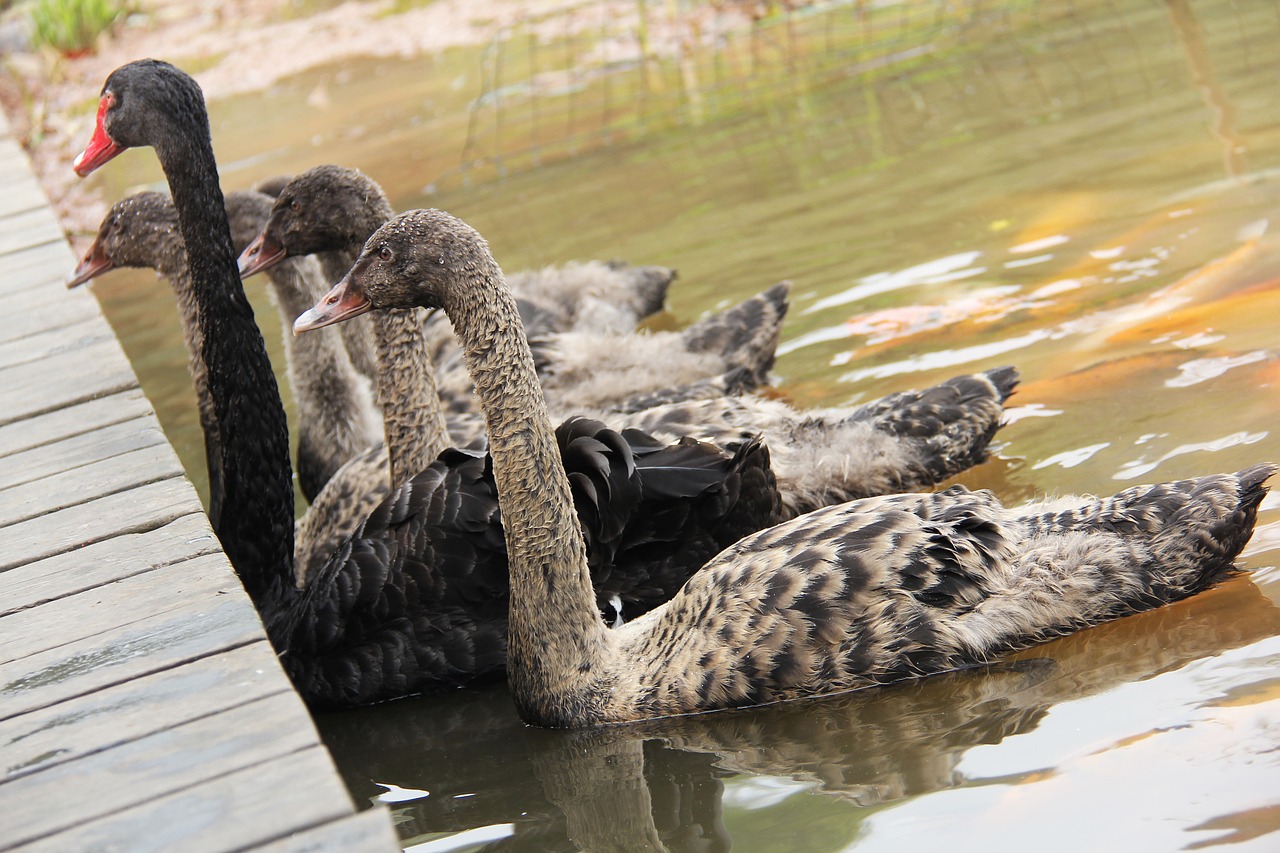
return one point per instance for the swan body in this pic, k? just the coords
(416, 598)
(853, 595)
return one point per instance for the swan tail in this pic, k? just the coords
(1162, 542)
(644, 288)
(944, 429)
(747, 334)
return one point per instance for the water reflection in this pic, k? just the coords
(662, 785)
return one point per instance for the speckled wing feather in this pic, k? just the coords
(895, 587)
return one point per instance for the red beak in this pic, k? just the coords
(101, 147)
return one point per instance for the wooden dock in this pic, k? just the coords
(141, 705)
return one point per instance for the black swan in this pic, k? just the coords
(907, 441)
(849, 596)
(417, 598)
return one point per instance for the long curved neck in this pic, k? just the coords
(173, 266)
(556, 640)
(255, 520)
(357, 333)
(329, 391)
(414, 425)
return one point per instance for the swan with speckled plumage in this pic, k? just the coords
(853, 595)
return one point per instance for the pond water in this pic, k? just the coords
(1082, 190)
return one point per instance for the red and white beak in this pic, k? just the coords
(101, 147)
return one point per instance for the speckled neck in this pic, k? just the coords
(415, 426)
(556, 639)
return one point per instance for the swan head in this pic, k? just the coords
(140, 230)
(412, 261)
(323, 209)
(140, 103)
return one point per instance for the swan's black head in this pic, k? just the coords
(139, 231)
(143, 103)
(324, 209)
(414, 260)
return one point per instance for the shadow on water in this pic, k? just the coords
(1085, 190)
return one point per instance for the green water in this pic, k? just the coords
(1083, 190)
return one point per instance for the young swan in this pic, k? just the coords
(854, 595)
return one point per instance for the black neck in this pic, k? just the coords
(255, 520)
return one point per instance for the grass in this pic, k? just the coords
(72, 27)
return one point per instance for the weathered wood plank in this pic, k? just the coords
(42, 268)
(70, 453)
(36, 311)
(138, 772)
(193, 630)
(88, 482)
(28, 228)
(138, 708)
(368, 831)
(104, 609)
(64, 380)
(103, 562)
(49, 342)
(141, 509)
(80, 419)
(232, 812)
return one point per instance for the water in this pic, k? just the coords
(1083, 190)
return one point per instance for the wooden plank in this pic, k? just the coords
(75, 451)
(194, 630)
(30, 313)
(43, 343)
(107, 561)
(104, 609)
(43, 268)
(175, 759)
(80, 419)
(368, 831)
(138, 510)
(28, 228)
(233, 812)
(87, 483)
(64, 380)
(135, 709)
(37, 310)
